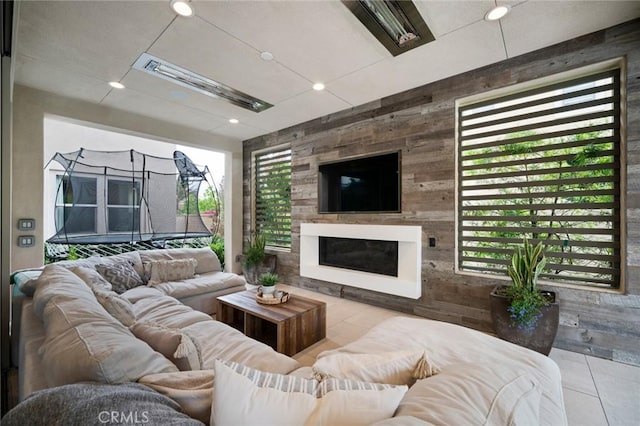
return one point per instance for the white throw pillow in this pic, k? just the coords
(243, 395)
(394, 368)
(161, 271)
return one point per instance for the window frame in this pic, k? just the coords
(255, 225)
(514, 91)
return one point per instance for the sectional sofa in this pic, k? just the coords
(80, 337)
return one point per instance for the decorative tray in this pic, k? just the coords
(278, 297)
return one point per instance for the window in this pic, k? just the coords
(123, 206)
(76, 206)
(81, 211)
(543, 164)
(272, 196)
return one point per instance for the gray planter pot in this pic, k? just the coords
(252, 272)
(540, 339)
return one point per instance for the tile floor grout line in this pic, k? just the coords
(595, 385)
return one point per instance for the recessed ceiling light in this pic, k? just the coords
(318, 86)
(182, 7)
(497, 12)
(116, 85)
(233, 121)
(267, 56)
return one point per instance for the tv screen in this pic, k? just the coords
(365, 184)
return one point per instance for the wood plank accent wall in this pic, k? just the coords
(421, 124)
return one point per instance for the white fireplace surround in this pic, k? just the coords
(409, 238)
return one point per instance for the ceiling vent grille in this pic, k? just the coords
(185, 78)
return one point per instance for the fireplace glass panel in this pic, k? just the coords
(375, 256)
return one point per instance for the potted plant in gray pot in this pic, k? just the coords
(521, 312)
(256, 261)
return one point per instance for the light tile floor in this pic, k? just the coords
(597, 392)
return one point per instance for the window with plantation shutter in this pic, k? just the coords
(272, 199)
(543, 164)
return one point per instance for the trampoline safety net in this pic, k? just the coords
(127, 197)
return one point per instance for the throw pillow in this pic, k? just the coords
(92, 278)
(190, 389)
(119, 307)
(394, 368)
(121, 275)
(242, 395)
(175, 345)
(162, 271)
(27, 281)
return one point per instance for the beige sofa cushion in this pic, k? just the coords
(119, 307)
(84, 345)
(143, 292)
(462, 345)
(200, 284)
(221, 341)
(167, 311)
(475, 394)
(243, 395)
(92, 278)
(206, 258)
(132, 257)
(57, 281)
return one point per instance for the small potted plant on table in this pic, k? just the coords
(268, 283)
(521, 312)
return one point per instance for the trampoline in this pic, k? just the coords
(128, 197)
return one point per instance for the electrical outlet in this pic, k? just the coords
(432, 241)
(26, 224)
(26, 240)
(237, 258)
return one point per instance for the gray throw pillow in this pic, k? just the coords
(121, 275)
(97, 404)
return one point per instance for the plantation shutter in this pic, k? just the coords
(543, 164)
(273, 197)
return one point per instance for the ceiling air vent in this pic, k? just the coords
(396, 24)
(178, 75)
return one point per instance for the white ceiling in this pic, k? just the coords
(73, 48)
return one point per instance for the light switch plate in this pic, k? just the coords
(26, 224)
(26, 240)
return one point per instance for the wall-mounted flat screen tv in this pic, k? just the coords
(364, 184)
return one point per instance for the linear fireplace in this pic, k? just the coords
(352, 251)
(375, 256)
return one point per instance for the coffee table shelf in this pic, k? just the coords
(287, 327)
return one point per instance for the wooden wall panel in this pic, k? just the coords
(420, 123)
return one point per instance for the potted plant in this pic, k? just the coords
(521, 312)
(268, 283)
(256, 261)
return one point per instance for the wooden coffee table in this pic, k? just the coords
(288, 327)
